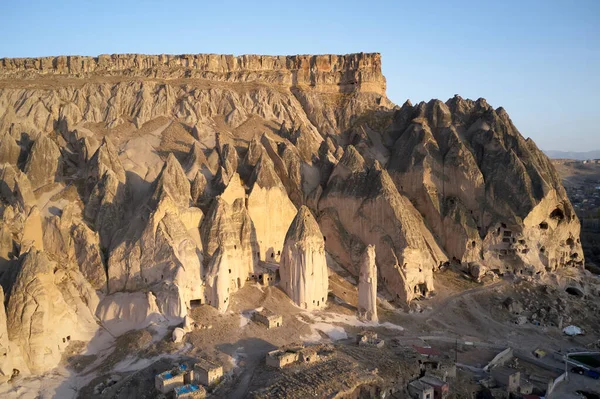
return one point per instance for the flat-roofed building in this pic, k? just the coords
(280, 358)
(268, 318)
(168, 380)
(190, 391)
(507, 377)
(420, 390)
(207, 373)
(440, 387)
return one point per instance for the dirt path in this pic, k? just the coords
(451, 300)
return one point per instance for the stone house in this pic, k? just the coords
(507, 377)
(369, 338)
(190, 391)
(420, 390)
(207, 373)
(309, 354)
(268, 318)
(440, 387)
(280, 358)
(168, 380)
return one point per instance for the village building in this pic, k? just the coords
(168, 380)
(268, 318)
(190, 391)
(265, 274)
(309, 354)
(280, 358)
(507, 377)
(440, 387)
(301, 354)
(369, 338)
(427, 352)
(207, 373)
(420, 390)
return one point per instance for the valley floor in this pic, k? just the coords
(466, 322)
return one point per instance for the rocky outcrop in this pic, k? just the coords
(49, 306)
(259, 137)
(234, 190)
(229, 230)
(32, 235)
(195, 161)
(303, 269)
(362, 204)
(5, 345)
(486, 192)
(106, 207)
(6, 247)
(104, 159)
(165, 253)
(329, 72)
(198, 188)
(270, 209)
(57, 234)
(367, 286)
(10, 151)
(173, 182)
(129, 310)
(89, 256)
(43, 162)
(16, 189)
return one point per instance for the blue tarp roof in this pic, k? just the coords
(186, 389)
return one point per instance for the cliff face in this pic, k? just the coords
(110, 163)
(324, 72)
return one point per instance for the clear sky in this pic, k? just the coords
(538, 59)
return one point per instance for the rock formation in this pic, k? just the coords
(361, 204)
(145, 146)
(303, 270)
(49, 306)
(230, 243)
(89, 256)
(105, 158)
(9, 150)
(487, 193)
(270, 209)
(367, 286)
(43, 162)
(5, 346)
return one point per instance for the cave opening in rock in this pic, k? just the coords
(194, 303)
(574, 291)
(544, 226)
(421, 289)
(557, 214)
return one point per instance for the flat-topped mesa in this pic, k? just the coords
(349, 72)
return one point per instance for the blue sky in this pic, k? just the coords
(538, 59)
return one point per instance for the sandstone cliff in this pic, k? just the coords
(109, 164)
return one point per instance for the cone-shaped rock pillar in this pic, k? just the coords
(367, 286)
(303, 267)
